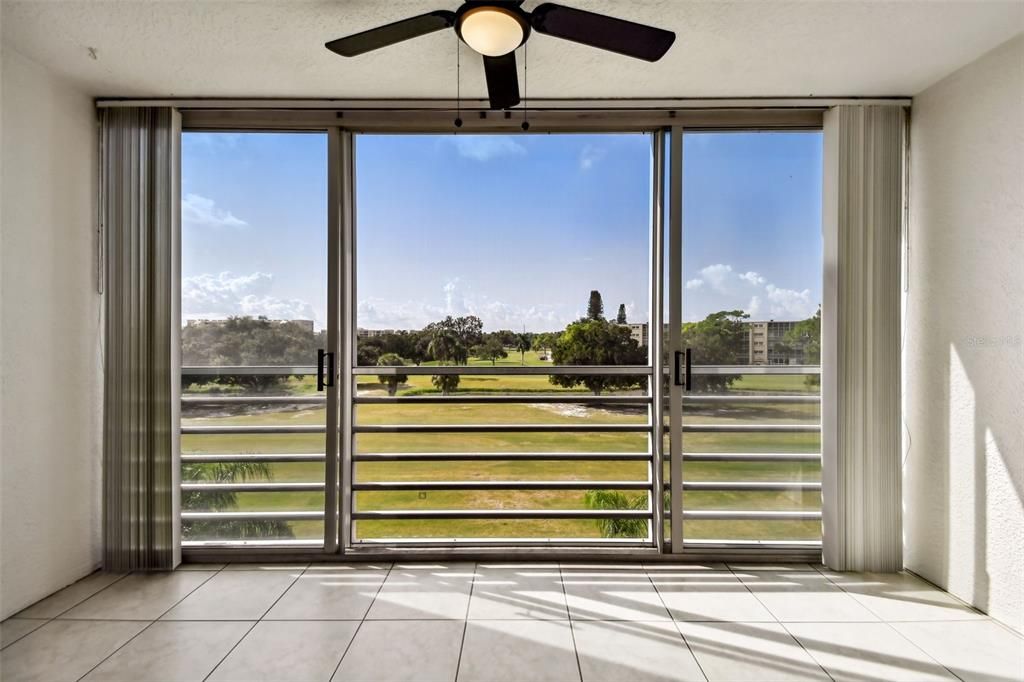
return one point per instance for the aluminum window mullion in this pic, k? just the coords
(347, 356)
(675, 321)
(331, 414)
(655, 346)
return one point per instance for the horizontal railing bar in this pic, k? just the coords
(750, 428)
(417, 514)
(745, 398)
(751, 456)
(568, 398)
(751, 485)
(252, 457)
(505, 370)
(713, 370)
(272, 487)
(500, 428)
(500, 456)
(249, 370)
(253, 516)
(500, 485)
(730, 515)
(277, 428)
(253, 400)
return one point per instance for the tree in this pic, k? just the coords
(491, 349)
(391, 381)
(220, 500)
(595, 306)
(597, 342)
(447, 348)
(621, 317)
(716, 340)
(523, 343)
(805, 337)
(616, 500)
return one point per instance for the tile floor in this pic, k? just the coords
(491, 622)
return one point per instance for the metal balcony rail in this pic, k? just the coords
(554, 397)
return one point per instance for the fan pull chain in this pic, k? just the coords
(458, 83)
(526, 84)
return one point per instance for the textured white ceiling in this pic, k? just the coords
(216, 48)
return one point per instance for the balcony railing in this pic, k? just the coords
(463, 468)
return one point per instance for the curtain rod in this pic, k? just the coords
(536, 103)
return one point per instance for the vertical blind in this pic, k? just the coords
(863, 213)
(140, 211)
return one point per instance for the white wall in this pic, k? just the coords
(50, 323)
(964, 348)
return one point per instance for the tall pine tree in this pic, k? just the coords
(621, 317)
(595, 307)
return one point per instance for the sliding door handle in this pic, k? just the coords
(324, 361)
(683, 371)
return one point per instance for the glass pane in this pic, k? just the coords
(752, 281)
(254, 282)
(505, 251)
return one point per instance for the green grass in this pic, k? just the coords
(762, 412)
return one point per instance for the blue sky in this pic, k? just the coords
(514, 228)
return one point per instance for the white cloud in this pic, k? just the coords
(753, 278)
(719, 277)
(789, 304)
(199, 210)
(590, 155)
(694, 284)
(210, 296)
(486, 147)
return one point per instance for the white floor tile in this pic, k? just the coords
(804, 596)
(64, 649)
(329, 595)
(708, 595)
(517, 650)
(14, 629)
(171, 652)
(199, 567)
(294, 567)
(974, 650)
(422, 592)
(73, 594)
(749, 652)
(233, 595)
(289, 651)
(403, 651)
(863, 652)
(612, 595)
(517, 593)
(902, 597)
(140, 596)
(640, 652)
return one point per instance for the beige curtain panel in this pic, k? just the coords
(140, 206)
(863, 218)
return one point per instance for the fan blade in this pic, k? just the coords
(604, 32)
(502, 80)
(382, 36)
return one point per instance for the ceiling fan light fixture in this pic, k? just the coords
(492, 31)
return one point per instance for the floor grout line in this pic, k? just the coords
(257, 621)
(675, 624)
(361, 621)
(568, 616)
(465, 624)
(137, 634)
(780, 623)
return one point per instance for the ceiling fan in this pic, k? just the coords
(495, 28)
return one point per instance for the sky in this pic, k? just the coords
(516, 229)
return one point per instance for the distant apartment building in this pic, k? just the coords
(371, 333)
(638, 331)
(764, 344)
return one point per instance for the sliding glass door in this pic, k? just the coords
(254, 313)
(748, 284)
(401, 340)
